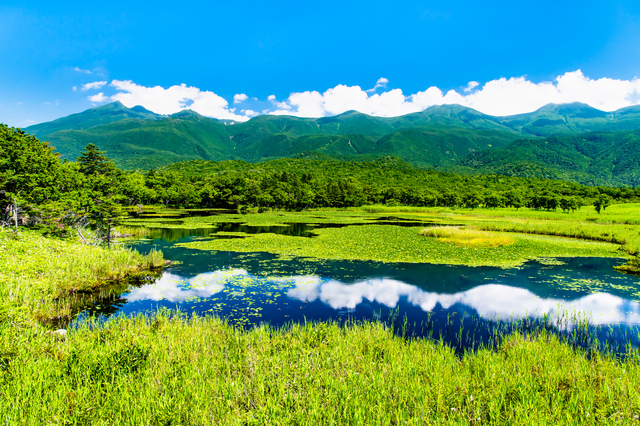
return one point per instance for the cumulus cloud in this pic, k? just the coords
(175, 288)
(503, 96)
(489, 301)
(94, 85)
(382, 82)
(171, 100)
(241, 97)
(100, 97)
(250, 112)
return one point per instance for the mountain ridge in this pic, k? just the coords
(443, 137)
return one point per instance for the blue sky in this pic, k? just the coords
(315, 58)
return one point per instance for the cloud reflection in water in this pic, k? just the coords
(489, 300)
(175, 288)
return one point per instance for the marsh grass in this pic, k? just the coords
(170, 369)
(40, 275)
(467, 237)
(388, 243)
(131, 232)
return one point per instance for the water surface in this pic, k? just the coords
(425, 299)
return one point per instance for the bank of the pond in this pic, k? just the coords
(174, 370)
(45, 278)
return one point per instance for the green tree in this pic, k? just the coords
(93, 161)
(514, 199)
(29, 171)
(472, 200)
(601, 202)
(493, 200)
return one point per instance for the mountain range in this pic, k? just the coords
(569, 141)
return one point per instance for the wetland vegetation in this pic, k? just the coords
(291, 235)
(372, 233)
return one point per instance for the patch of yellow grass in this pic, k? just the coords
(467, 237)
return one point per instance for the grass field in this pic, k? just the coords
(163, 370)
(387, 243)
(467, 237)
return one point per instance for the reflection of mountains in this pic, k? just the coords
(488, 300)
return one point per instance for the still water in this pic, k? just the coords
(461, 305)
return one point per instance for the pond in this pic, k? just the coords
(464, 306)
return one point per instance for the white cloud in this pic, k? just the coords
(382, 82)
(173, 99)
(471, 85)
(489, 300)
(502, 96)
(94, 85)
(239, 98)
(100, 97)
(82, 71)
(75, 88)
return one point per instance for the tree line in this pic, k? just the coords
(38, 189)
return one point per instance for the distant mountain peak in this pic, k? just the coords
(139, 108)
(93, 117)
(185, 113)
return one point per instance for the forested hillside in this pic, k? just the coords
(53, 194)
(440, 137)
(595, 158)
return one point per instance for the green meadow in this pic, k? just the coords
(388, 243)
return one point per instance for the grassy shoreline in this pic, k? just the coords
(46, 279)
(174, 370)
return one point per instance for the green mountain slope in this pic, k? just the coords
(450, 116)
(434, 146)
(553, 119)
(596, 158)
(438, 137)
(93, 117)
(135, 144)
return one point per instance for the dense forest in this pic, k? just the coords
(39, 189)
